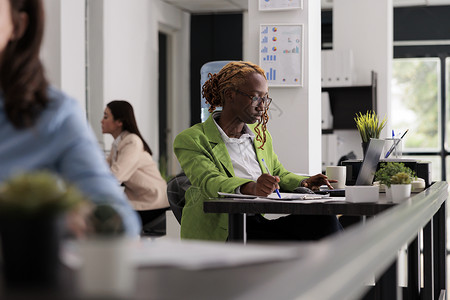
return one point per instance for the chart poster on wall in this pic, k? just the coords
(281, 54)
(280, 4)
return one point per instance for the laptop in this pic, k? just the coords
(367, 170)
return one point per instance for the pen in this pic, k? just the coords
(395, 144)
(276, 190)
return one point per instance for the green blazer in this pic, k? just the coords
(204, 158)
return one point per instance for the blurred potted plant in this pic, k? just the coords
(31, 206)
(368, 126)
(105, 222)
(400, 186)
(397, 179)
(107, 270)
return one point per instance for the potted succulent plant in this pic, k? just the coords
(397, 179)
(368, 126)
(31, 206)
(400, 186)
(106, 270)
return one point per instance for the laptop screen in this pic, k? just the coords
(370, 162)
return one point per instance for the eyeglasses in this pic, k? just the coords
(256, 100)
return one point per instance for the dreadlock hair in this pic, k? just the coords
(123, 111)
(232, 76)
(22, 77)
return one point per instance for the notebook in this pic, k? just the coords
(368, 167)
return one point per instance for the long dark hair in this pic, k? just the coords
(22, 77)
(123, 111)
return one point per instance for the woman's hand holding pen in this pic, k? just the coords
(264, 185)
(314, 182)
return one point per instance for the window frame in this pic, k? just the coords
(419, 50)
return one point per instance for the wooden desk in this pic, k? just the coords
(423, 212)
(238, 208)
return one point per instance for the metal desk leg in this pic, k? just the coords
(237, 229)
(413, 271)
(428, 265)
(387, 284)
(386, 287)
(439, 249)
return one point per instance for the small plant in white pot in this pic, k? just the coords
(400, 186)
(32, 208)
(394, 173)
(107, 270)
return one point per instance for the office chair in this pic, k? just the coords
(176, 188)
(157, 226)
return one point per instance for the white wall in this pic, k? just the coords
(295, 118)
(63, 47)
(123, 63)
(366, 27)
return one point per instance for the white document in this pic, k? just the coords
(203, 255)
(190, 255)
(274, 196)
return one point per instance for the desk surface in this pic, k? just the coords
(166, 283)
(239, 206)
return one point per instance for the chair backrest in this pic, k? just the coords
(176, 188)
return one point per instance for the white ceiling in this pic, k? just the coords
(211, 6)
(208, 6)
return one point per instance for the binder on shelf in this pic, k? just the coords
(327, 116)
(346, 67)
(323, 68)
(329, 150)
(329, 68)
(337, 68)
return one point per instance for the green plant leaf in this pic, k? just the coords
(369, 126)
(35, 193)
(389, 173)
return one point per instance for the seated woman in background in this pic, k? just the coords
(131, 162)
(224, 154)
(42, 128)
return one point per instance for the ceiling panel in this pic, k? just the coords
(208, 6)
(202, 6)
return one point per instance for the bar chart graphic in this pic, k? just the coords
(271, 75)
(281, 51)
(293, 50)
(270, 57)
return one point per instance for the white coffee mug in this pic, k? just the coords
(337, 173)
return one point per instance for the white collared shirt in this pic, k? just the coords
(243, 157)
(242, 152)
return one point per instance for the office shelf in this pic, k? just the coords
(347, 101)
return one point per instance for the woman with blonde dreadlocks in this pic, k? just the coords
(224, 154)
